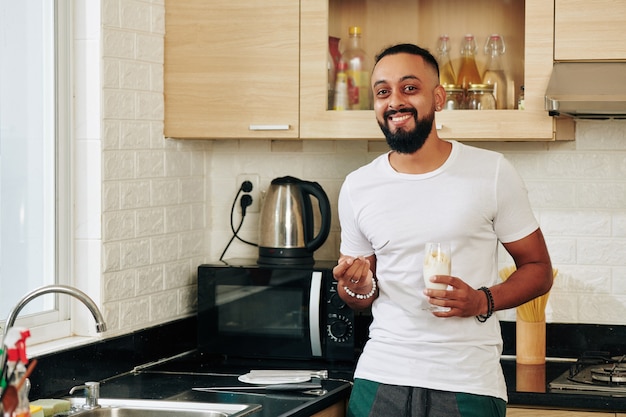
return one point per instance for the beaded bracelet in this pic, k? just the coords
(361, 296)
(490, 305)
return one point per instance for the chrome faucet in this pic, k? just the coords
(61, 289)
(92, 393)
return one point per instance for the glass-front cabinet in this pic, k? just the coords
(527, 27)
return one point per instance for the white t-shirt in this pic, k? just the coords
(473, 200)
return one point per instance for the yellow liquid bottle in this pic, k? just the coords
(446, 71)
(468, 73)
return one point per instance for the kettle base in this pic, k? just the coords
(284, 256)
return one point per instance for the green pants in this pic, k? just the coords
(371, 399)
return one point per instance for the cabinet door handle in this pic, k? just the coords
(269, 127)
(438, 126)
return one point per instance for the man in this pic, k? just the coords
(418, 362)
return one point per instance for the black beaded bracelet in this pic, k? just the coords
(490, 305)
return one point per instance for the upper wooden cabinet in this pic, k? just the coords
(587, 30)
(527, 27)
(231, 68)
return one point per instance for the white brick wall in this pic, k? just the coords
(150, 210)
(143, 198)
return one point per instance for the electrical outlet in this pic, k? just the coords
(255, 193)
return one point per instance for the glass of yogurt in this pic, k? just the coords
(437, 261)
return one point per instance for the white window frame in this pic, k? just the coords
(55, 323)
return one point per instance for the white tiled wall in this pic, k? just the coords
(578, 190)
(164, 205)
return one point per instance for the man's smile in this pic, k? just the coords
(400, 118)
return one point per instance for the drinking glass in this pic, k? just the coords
(437, 261)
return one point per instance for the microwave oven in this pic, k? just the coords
(281, 312)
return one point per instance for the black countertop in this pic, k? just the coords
(173, 380)
(178, 387)
(114, 362)
(527, 385)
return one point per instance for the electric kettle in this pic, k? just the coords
(286, 235)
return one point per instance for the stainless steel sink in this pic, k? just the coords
(110, 407)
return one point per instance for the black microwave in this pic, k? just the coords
(282, 312)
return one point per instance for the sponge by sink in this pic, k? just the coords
(52, 406)
(36, 411)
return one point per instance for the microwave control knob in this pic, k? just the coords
(336, 301)
(340, 329)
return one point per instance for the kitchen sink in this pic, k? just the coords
(110, 407)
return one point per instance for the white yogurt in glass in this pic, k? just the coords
(436, 262)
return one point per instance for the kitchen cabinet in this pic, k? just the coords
(539, 412)
(336, 410)
(253, 69)
(586, 30)
(527, 27)
(231, 69)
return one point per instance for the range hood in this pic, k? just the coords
(591, 90)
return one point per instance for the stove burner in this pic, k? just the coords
(594, 373)
(613, 374)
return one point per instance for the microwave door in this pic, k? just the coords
(314, 313)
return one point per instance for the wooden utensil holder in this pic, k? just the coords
(530, 378)
(530, 342)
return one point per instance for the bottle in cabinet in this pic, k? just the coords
(341, 101)
(333, 62)
(468, 73)
(446, 71)
(358, 71)
(332, 79)
(520, 100)
(494, 71)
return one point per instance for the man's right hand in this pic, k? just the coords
(356, 275)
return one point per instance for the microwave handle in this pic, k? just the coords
(314, 313)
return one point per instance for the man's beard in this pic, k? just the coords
(407, 142)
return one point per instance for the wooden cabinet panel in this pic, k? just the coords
(230, 66)
(585, 30)
(538, 412)
(336, 410)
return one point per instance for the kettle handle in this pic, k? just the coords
(316, 190)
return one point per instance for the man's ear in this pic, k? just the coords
(440, 97)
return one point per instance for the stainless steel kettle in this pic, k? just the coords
(286, 235)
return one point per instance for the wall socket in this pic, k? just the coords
(255, 193)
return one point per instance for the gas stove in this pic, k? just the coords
(594, 373)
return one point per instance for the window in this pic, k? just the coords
(34, 162)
